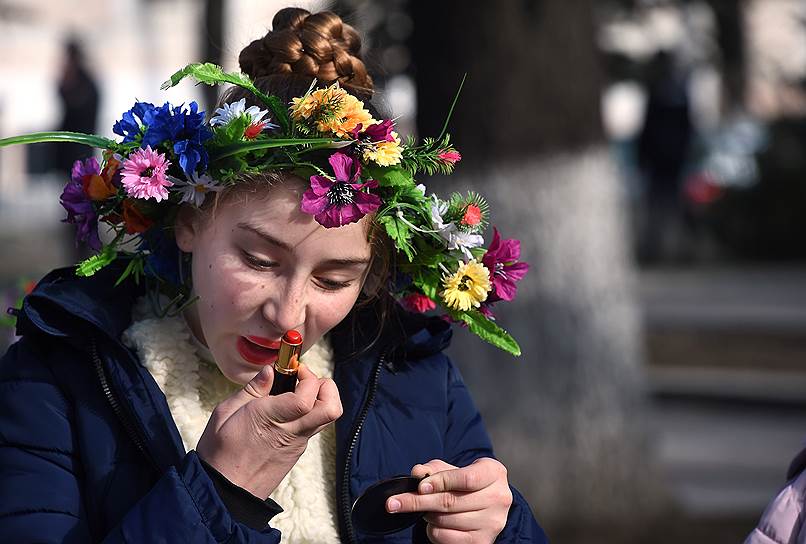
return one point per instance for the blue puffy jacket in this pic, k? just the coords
(89, 451)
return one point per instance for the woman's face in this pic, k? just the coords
(262, 267)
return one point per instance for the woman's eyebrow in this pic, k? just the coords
(266, 236)
(329, 263)
(335, 263)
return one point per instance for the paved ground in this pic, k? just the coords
(727, 367)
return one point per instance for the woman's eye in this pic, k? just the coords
(257, 263)
(332, 285)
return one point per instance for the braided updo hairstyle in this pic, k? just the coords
(318, 45)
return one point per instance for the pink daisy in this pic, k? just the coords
(144, 174)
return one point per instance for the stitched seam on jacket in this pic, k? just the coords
(66, 453)
(37, 511)
(52, 384)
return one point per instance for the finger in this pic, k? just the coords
(475, 477)
(461, 521)
(326, 409)
(448, 502)
(431, 467)
(258, 387)
(305, 373)
(307, 386)
(444, 535)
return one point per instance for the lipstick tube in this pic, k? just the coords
(287, 363)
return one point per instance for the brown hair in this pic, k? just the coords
(312, 45)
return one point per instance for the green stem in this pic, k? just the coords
(91, 140)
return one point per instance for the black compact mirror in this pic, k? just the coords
(369, 510)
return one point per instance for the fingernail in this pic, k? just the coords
(426, 488)
(393, 505)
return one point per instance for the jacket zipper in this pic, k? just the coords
(122, 416)
(362, 416)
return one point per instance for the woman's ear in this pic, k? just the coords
(185, 228)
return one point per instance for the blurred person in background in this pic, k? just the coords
(79, 98)
(663, 147)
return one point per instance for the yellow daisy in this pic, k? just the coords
(467, 288)
(384, 153)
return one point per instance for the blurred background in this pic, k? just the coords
(651, 157)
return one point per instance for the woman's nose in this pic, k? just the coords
(285, 308)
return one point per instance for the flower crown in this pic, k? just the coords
(169, 155)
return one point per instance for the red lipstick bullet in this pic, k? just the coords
(287, 364)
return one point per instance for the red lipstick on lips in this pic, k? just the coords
(258, 350)
(264, 342)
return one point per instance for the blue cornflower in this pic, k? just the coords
(129, 125)
(183, 127)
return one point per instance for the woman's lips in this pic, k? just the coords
(255, 353)
(264, 342)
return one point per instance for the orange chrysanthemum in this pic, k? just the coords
(333, 109)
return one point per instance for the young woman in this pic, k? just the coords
(123, 423)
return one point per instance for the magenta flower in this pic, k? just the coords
(144, 174)
(501, 260)
(343, 201)
(378, 132)
(417, 303)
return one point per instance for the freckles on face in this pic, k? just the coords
(262, 267)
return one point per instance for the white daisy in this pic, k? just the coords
(226, 114)
(195, 190)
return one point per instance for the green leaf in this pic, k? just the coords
(212, 74)
(428, 255)
(96, 262)
(400, 234)
(91, 140)
(232, 132)
(428, 282)
(392, 176)
(453, 105)
(135, 267)
(487, 331)
(255, 145)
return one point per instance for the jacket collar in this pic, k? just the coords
(65, 305)
(385, 328)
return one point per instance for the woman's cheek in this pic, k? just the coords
(341, 306)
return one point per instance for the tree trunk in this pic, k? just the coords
(568, 417)
(730, 39)
(212, 45)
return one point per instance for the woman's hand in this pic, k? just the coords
(254, 439)
(461, 505)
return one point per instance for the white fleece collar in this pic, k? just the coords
(193, 387)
